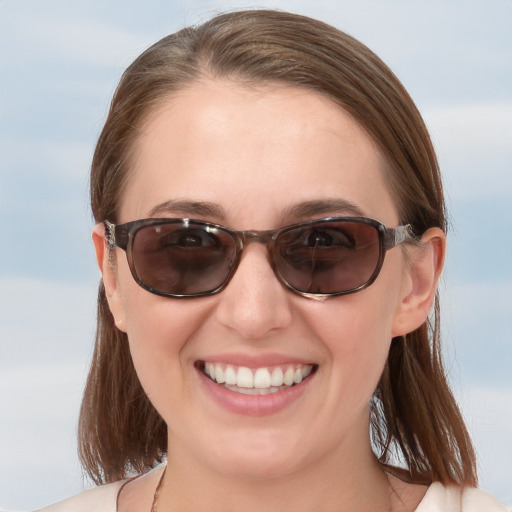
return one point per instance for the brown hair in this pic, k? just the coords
(414, 415)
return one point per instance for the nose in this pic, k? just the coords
(254, 303)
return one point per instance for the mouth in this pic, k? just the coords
(256, 381)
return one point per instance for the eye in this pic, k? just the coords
(319, 247)
(326, 238)
(188, 239)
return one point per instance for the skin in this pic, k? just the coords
(256, 153)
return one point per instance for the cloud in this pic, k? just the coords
(46, 333)
(473, 143)
(40, 404)
(62, 35)
(63, 161)
(477, 323)
(45, 322)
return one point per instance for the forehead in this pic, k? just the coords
(259, 150)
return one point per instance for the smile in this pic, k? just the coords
(256, 381)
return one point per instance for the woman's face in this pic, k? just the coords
(249, 158)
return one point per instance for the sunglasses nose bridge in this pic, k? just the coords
(258, 237)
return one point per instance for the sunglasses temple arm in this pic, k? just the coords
(399, 235)
(110, 233)
(116, 236)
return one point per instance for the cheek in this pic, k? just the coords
(356, 323)
(159, 330)
(356, 330)
(152, 321)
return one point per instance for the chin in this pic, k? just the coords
(255, 456)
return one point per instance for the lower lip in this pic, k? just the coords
(254, 405)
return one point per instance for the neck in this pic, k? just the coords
(332, 484)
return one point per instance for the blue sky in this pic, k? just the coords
(60, 62)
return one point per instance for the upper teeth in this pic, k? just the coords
(259, 378)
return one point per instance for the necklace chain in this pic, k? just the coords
(154, 505)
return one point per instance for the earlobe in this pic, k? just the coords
(109, 275)
(425, 266)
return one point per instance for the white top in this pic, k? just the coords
(436, 499)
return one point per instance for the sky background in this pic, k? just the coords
(59, 64)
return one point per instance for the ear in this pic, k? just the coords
(108, 272)
(425, 266)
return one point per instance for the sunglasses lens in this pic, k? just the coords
(183, 258)
(328, 257)
(186, 258)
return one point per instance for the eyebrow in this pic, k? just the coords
(300, 210)
(188, 208)
(318, 206)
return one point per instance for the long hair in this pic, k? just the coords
(413, 413)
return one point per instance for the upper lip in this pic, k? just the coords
(255, 361)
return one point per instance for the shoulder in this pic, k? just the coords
(457, 499)
(477, 500)
(98, 499)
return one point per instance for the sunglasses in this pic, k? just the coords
(190, 258)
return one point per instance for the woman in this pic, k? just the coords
(304, 375)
